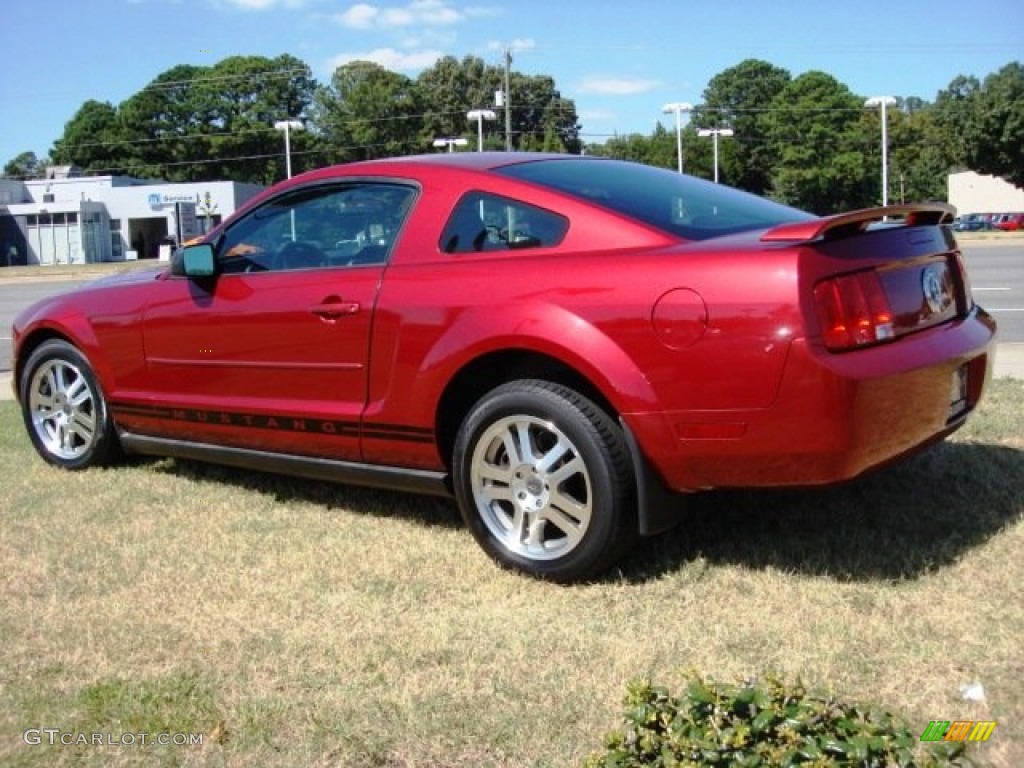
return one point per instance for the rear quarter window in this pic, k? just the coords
(486, 222)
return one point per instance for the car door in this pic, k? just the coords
(272, 351)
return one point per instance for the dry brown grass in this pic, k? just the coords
(303, 624)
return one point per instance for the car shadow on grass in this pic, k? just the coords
(901, 522)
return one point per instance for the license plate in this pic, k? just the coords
(958, 393)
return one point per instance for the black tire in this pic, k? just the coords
(64, 409)
(562, 508)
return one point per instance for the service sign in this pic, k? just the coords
(158, 200)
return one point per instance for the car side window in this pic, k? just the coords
(484, 222)
(316, 227)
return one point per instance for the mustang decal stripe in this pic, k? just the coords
(409, 434)
(141, 410)
(277, 422)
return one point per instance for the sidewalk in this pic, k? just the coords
(1010, 360)
(1009, 363)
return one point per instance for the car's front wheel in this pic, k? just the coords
(64, 408)
(544, 482)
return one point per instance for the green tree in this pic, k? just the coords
(920, 158)
(542, 119)
(242, 97)
(953, 112)
(659, 149)
(817, 126)
(994, 130)
(25, 166)
(740, 98)
(93, 140)
(367, 112)
(663, 153)
(449, 89)
(633, 146)
(194, 123)
(538, 111)
(166, 127)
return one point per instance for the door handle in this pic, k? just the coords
(333, 307)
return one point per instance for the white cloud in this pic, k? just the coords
(519, 44)
(263, 5)
(359, 16)
(430, 13)
(616, 86)
(252, 5)
(396, 61)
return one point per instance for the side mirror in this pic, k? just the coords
(198, 261)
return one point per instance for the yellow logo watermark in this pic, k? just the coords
(958, 730)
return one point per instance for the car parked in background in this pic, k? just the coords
(564, 344)
(971, 222)
(1010, 222)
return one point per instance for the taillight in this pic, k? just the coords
(853, 311)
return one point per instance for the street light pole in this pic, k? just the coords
(714, 133)
(288, 126)
(450, 143)
(883, 102)
(678, 107)
(480, 115)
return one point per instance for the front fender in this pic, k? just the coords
(107, 334)
(69, 325)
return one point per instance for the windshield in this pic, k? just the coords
(683, 206)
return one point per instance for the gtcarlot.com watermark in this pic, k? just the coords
(56, 737)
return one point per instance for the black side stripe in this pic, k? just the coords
(351, 429)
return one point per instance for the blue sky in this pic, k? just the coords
(619, 60)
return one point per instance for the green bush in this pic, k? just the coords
(755, 725)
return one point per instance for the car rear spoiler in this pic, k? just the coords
(854, 222)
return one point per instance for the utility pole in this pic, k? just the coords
(508, 100)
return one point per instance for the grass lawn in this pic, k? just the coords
(293, 623)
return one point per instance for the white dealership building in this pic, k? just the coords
(973, 192)
(70, 219)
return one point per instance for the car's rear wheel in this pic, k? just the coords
(543, 481)
(64, 409)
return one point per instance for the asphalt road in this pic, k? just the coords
(15, 295)
(996, 270)
(997, 279)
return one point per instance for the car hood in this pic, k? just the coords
(89, 295)
(131, 277)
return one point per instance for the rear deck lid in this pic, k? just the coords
(880, 273)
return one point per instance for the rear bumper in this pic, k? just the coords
(836, 415)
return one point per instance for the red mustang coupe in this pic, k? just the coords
(561, 343)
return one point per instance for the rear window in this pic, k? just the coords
(688, 208)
